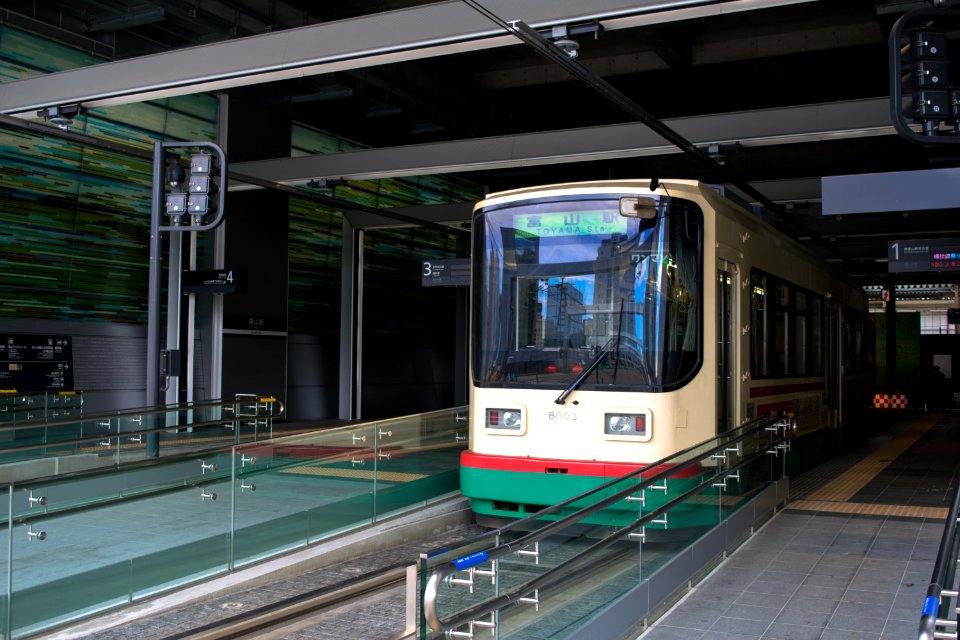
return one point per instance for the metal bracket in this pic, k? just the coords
(35, 535)
(535, 600)
(472, 572)
(36, 501)
(469, 633)
(535, 554)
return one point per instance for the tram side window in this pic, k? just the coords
(782, 360)
(758, 325)
(786, 328)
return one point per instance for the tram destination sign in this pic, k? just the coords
(36, 363)
(445, 273)
(913, 256)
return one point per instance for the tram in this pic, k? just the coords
(614, 323)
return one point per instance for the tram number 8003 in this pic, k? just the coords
(562, 416)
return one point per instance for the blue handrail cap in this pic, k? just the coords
(471, 560)
(931, 605)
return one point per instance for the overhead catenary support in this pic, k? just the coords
(436, 29)
(762, 127)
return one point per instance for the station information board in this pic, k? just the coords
(445, 273)
(911, 256)
(36, 363)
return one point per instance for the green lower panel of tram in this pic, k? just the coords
(498, 494)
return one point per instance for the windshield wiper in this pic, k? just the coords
(562, 398)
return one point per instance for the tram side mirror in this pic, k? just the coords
(642, 208)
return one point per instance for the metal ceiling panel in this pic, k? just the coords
(750, 128)
(432, 30)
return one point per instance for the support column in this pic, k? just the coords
(351, 319)
(891, 321)
(254, 349)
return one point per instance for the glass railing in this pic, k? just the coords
(941, 609)
(17, 408)
(86, 541)
(547, 576)
(79, 442)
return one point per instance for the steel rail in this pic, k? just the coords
(299, 606)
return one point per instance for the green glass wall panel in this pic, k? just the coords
(36, 56)
(74, 220)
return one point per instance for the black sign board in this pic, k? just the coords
(36, 363)
(446, 273)
(213, 281)
(923, 255)
(953, 316)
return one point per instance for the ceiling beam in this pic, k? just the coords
(787, 125)
(425, 31)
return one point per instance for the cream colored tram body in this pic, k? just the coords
(613, 324)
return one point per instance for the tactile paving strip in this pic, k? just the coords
(836, 495)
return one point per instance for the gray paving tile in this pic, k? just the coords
(752, 612)
(754, 628)
(805, 617)
(895, 629)
(857, 623)
(817, 605)
(765, 586)
(784, 631)
(776, 600)
(819, 591)
(666, 632)
(847, 634)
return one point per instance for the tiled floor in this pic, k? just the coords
(851, 559)
(814, 575)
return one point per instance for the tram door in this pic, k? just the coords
(831, 370)
(726, 344)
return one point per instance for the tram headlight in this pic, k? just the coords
(632, 426)
(511, 419)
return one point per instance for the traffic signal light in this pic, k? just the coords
(921, 89)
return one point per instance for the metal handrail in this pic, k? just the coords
(556, 574)
(943, 571)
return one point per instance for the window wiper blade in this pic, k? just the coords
(585, 373)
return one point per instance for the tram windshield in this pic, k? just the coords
(563, 284)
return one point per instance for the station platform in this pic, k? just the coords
(850, 556)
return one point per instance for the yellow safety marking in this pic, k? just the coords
(66, 393)
(267, 399)
(847, 484)
(937, 513)
(395, 476)
(8, 390)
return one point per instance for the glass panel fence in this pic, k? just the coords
(93, 539)
(17, 408)
(294, 490)
(121, 436)
(551, 573)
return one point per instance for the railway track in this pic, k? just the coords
(291, 614)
